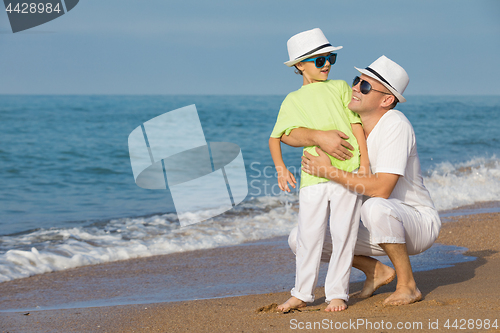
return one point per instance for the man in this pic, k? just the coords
(400, 218)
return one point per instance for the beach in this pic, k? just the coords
(462, 297)
(139, 194)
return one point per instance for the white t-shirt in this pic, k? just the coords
(392, 148)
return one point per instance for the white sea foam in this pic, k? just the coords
(259, 218)
(120, 239)
(455, 185)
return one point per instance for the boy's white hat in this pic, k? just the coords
(390, 74)
(306, 44)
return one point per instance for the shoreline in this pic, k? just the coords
(72, 284)
(468, 288)
(255, 267)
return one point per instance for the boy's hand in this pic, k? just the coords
(285, 177)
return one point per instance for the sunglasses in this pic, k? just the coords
(365, 87)
(321, 61)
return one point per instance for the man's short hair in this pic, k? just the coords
(393, 105)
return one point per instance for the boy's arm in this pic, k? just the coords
(359, 134)
(275, 149)
(284, 176)
(333, 142)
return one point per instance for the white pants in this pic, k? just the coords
(388, 221)
(318, 203)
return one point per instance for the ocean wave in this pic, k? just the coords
(47, 250)
(456, 185)
(51, 250)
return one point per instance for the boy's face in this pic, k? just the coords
(313, 74)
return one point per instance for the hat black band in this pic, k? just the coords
(312, 51)
(379, 76)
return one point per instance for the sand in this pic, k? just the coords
(466, 295)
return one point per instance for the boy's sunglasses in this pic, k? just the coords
(365, 87)
(321, 61)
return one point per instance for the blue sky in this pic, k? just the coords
(238, 47)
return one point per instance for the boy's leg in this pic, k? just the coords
(313, 218)
(344, 222)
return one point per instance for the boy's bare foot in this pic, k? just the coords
(381, 275)
(404, 295)
(336, 305)
(292, 303)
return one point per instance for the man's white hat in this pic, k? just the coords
(307, 44)
(390, 74)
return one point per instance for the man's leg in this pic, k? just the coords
(406, 288)
(377, 275)
(392, 228)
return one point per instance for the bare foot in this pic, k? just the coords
(381, 276)
(404, 295)
(336, 305)
(292, 303)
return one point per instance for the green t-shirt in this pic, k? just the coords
(320, 106)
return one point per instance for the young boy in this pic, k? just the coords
(320, 104)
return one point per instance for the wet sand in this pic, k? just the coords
(467, 291)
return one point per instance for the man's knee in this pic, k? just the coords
(383, 220)
(375, 210)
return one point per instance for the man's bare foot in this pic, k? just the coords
(292, 303)
(336, 305)
(404, 295)
(381, 276)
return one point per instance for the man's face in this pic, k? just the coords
(314, 74)
(361, 103)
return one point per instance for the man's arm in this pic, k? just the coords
(373, 185)
(333, 142)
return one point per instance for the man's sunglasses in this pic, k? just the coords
(321, 61)
(365, 87)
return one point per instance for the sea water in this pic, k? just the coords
(68, 196)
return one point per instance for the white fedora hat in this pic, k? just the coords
(306, 44)
(390, 74)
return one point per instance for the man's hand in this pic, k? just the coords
(317, 165)
(334, 143)
(373, 185)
